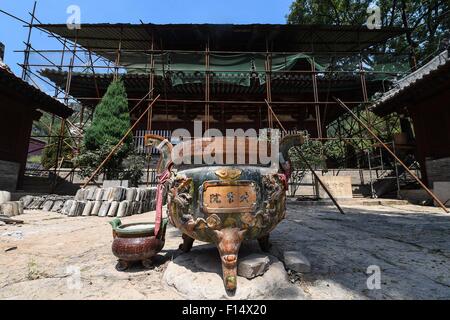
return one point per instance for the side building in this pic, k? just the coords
(20, 105)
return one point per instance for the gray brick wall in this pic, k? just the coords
(438, 170)
(9, 173)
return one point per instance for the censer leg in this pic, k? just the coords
(148, 263)
(264, 243)
(122, 265)
(228, 242)
(186, 246)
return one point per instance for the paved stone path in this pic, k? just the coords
(410, 245)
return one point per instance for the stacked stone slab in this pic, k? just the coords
(9, 208)
(102, 202)
(50, 202)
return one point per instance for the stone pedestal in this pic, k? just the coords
(198, 275)
(11, 208)
(296, 261)
(5, 196)
(442, 191)
(339, 186)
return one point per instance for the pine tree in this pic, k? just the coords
(111, 120)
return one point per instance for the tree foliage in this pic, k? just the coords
(428, 30)
(111, 120)
(110, 123)
(428, 21)
(49, 153)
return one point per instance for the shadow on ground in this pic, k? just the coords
(410, 246)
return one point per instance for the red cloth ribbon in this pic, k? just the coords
(162, 178)
(284, 179)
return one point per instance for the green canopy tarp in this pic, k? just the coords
(237, 69)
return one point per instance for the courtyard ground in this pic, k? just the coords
(410, 244)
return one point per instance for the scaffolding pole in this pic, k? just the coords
(27, 49)
(430, 193)
(299, 152)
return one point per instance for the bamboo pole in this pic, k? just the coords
(430, 193)
(320, 181)
(120, 142)
(28, 46)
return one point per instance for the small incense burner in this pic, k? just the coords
(136, 242)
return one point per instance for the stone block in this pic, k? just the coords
(130, 194)
(104, 209)
(76, 209)
(106, 194)
(115, 183)
(145, 195)
(253, 265)
(98, 195)
(57, 206)
(122, 210)
(112, 211)
(138, 194)
(90, 194)
(339, 186)
(5, 196)
(9, 208)
(437, 170)
(116, 194)
(442, 191)
(130, 208)
(27, 200)
(96, 208)
(296, 261)
(47, 205)
(87, 208)
(21, 207)
(79, 196)
(67, 206)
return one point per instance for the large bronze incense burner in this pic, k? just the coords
(224, 204)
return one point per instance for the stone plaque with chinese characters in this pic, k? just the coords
(222, 197)
(339, 186)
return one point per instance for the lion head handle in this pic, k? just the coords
(164, 147)
(288, 142)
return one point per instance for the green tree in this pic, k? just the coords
(111, 120)
(427, 24)
(49, 153)
(428, 21)
(110, 123)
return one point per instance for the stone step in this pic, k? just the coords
(350, 202)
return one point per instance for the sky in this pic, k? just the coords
(13, 34)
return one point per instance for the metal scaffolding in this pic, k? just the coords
(343, 133)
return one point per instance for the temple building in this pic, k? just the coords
(424, 96)
(20, 105)
(224, 73)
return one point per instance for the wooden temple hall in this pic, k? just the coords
(225, 75)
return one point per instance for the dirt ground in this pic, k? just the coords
(45, 257)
